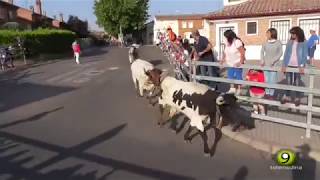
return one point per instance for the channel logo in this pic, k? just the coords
(286, 157)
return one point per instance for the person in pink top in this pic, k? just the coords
(295, 56)
(76, 51)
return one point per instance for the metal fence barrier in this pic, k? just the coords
(311, 91)
(168, 48)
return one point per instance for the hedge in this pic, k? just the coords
(40, 41)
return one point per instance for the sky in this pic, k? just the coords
(84, 8)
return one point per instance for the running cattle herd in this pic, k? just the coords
(204, 107)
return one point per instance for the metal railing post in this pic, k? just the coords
(194, 72)
(310, 104)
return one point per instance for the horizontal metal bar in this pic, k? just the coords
(284, 121)
(258, 84)
(279, 120)
(315, 127)
(310, 71)
(277, 103)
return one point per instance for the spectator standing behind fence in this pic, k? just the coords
(295, 56)
(203, 52)
(257, 92)
(171, 35)
(233, 56)
(76, 51)
(312, 45)
(271, 53)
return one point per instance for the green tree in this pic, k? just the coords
(129, 14)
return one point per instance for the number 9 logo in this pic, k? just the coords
(286, 157)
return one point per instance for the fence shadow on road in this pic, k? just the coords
(12, 164)
(30, 119)
(14, 92)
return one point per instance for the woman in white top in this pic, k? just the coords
(234, 57)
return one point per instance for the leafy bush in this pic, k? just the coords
(40, 41)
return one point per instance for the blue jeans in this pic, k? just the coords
(270, 78)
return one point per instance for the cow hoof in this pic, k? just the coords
(207, 155)
(160, 125)
(174, 130)
(188, 141)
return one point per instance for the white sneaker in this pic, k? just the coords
(238, 92)
(232, 91)
(256, 112)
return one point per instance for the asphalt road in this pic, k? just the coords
(66, 121)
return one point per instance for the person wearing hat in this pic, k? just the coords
(312, 45)
(203, 52)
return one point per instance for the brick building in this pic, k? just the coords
(250, 19)
(26, 18)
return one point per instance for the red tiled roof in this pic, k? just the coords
(257, 8)
(181, 17)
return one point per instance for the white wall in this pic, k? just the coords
(162, 25)
(317, 53)
(253, 52)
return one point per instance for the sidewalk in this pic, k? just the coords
(271, 137)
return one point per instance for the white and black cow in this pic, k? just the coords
(138, 68)
(194, 100)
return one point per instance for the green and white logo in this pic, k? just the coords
(286, 157)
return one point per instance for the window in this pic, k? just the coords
(283, 28)
(10, 15)
(184, 24)
(308, 24)
(252, 28)
(190, 24)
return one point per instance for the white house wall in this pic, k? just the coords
(162, 25)
(253, 50)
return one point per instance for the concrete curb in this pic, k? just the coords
(263, 145)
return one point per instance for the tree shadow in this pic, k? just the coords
(15, 94)
(30, 119)
(17, 171)
(95, 52)
(307, 163)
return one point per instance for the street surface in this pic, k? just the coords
(84, 122)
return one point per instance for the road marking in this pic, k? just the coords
(84, 76)
(81, 80)
(62, 76)
(113, 68)
(76, 76)
(94, 72)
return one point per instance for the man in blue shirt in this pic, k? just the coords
(312, 45)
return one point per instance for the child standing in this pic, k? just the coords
(76, 51)
(257, 92)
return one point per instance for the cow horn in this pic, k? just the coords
(220, 101)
